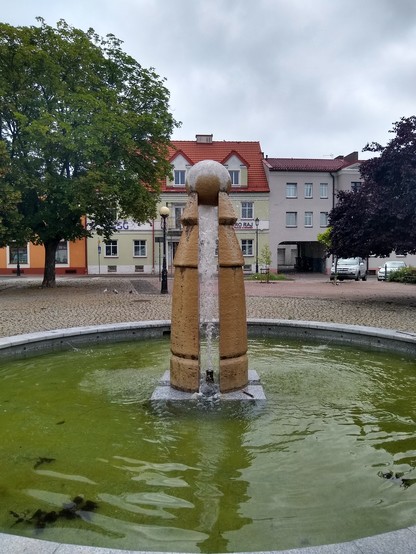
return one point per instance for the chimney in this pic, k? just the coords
(353, 157)
(204, 139)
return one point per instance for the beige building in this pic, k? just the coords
(139, 248)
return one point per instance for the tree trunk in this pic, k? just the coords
(49, 271)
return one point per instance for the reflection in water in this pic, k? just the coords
(218, 456)
(330, 456)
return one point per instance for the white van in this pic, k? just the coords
(349, 268)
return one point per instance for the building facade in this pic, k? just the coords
(139, 248)
(29, 258)
(283, 203)
(302, 193)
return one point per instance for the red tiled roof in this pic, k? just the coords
(219, 151)
(308, 164)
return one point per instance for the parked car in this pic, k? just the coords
(390, 266)
(349, 268)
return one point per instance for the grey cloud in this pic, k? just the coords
(305, 77)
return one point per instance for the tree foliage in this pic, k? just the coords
(86, 129)
(380, 217)
(324, 238)
(10, 218)
(266, 256)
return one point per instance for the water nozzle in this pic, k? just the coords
(209, 376)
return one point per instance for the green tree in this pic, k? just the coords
(266, 256)
(10, 218)
(86, 128)
(380, 216)
(324, 238)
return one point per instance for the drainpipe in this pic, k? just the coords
(333, 190)
(153, 246)
(333, 206)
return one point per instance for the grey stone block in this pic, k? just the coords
(253, 391)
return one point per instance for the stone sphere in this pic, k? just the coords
(207, 179)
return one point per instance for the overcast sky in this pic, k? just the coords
(306, 78)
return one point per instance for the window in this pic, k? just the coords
(323, 219)
(355, 185)
(246, 210)
(247, 247)
(308, 190)
(111, 248)
(291, 190)
(179, 177)
(308, 219)
(61, 256)
(323, 190)
(235, 177)
(139, 248)
(177, 216)
(291, 219)
(18, 254)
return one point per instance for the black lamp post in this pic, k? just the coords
(18, 272)
(164, 213)
(18, 262)
(257, 221)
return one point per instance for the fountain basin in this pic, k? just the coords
(376, 339)
(336, 333)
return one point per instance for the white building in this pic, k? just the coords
(302, 193)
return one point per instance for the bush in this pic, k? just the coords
(404, 275)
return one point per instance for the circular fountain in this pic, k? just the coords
(105, 462)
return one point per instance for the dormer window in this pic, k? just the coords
(235, 177)
(237, 168)
(179, 177)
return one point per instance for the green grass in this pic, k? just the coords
(272, 277)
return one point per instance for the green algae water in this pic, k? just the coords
(329, 457)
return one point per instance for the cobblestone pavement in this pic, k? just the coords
(77, 301)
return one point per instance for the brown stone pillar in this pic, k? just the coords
(184, 343)
(232, 301)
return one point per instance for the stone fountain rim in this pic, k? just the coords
(402, 541)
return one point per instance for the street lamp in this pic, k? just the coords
(18, 272)
(257, 221)
(164, 213)
(99, 257)
(18, 262)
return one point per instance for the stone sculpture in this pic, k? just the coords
(208, 184)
